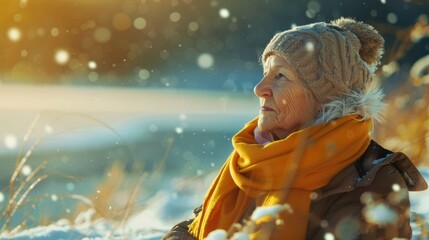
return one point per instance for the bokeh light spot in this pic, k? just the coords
(102, 34)
(392, 18)
(48, 129)
(396, 187)
(10, 141)
(205, 60)
(121, 21)
(70, 186)
(62, 56)
(224, 13)
(379, 214)
(1, 197)
(175, 16)
(93, 76)
(24, 53)
(309, 46)
(55, 32)
(193, 26)
(14, 34)
(179, 130)
(310, 13)
(92, 64)
(139, 23)
(314, 5)
(26, 170)
(54, 197)
(23, 3)
(144, 74)
(329, 236)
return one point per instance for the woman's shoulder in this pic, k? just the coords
(364, 192)
(391, 167)
(378, 169)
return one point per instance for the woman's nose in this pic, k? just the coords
(263, 89)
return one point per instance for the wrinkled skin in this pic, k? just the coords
(286, 105)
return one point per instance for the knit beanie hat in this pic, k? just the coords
(330, 59)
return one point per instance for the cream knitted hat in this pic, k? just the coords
(330, 59)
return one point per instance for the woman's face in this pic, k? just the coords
(286, 105)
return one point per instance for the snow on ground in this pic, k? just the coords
(166, 208)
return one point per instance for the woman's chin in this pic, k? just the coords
(265, 125)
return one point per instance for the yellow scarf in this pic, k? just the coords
(283, 171)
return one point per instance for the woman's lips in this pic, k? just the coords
(265, 108)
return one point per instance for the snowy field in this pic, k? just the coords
(150, 224)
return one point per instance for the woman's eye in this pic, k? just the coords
(279, 75)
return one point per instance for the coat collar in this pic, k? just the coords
(364, 170)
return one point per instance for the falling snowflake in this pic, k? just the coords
(218, 234)
(309, 46)
(396, 187)
(54, 197)
(62, 57)
(10, 141)
(48, 129)
(379, 214)
(179, 130)
(14, 34)
(224, 13)
(26, 170)
(92, 65)
(329, 236)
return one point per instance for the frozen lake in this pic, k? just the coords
(82, 132)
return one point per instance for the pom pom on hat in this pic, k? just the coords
(371, 49)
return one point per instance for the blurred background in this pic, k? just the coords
(100, 98)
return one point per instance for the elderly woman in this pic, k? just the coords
(310, 146)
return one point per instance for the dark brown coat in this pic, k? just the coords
(378, 179)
